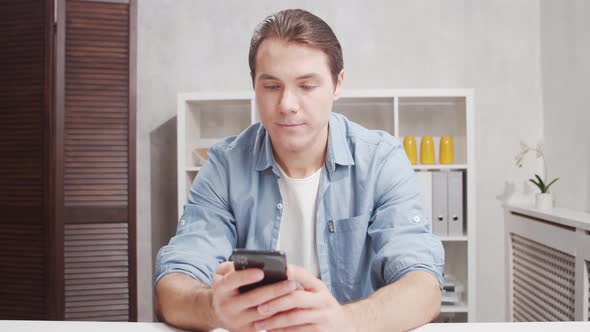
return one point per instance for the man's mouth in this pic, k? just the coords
(288, 125)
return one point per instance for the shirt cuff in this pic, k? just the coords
(191, 272)
(436, 272)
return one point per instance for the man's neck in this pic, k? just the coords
(303, 163)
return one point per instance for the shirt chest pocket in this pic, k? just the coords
(349, 224)
(349, 250)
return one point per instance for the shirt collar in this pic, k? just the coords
(338, 148)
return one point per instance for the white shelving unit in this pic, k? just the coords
(205, 118)
(440, 167)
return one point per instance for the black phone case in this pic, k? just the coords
(272, 263)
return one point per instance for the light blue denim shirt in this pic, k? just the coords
(371, 228)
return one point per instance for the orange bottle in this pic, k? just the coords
(446, 151)
(427, 150)
(410, 148)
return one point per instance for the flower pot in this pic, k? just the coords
(544, 201)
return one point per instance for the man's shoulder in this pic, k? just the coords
(369, 140)
(239, 148)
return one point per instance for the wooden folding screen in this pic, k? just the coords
(67, 160)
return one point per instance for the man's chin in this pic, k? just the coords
(294, 148)
(289, 143)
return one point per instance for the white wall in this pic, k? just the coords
(492, 46)
(565, 45)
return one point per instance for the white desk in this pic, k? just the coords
(60, 326)
(519, 327)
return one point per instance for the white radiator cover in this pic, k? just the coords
(548, 264)
(543, 282)
(588, 275)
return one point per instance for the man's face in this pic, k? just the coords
(294, 94)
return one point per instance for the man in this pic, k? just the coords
(342, 202)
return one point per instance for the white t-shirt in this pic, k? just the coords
(298, 219)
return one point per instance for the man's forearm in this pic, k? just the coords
(412, 301)
(184, 302)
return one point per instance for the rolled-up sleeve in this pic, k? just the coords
(206, 232)
(400, 231)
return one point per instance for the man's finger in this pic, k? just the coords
(225, 268)
(216, 278)
(299, 299)
(264, 294)
(289, 319)
(232, 281)
(299, 328)
(248, 318)
(306, 279)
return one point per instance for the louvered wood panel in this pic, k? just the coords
(98, 253)
(23, 160)
(543, 282)
(96, 272)
(97, 111)
(22, 271)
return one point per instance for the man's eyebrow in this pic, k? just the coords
(267, 77)
(310, 75)
(270, 77)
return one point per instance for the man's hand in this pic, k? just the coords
(312, 308)
(236, 311)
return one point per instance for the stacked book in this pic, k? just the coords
(452, 290)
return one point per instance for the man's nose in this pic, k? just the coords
(289, 102)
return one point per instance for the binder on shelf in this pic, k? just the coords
(439, 204)
(455, 203)
(425, 183)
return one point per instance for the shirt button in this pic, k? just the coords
(182, 222)
(416, 219)
(279, 206)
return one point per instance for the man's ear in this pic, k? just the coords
(338, 88)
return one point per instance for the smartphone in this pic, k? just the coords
(272, 263)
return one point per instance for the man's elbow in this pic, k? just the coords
(430, 292)
(167, 294)
(159, 307)
(436, 303)
(435, 296)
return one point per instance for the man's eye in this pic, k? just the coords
(308, 87)
(271, 87)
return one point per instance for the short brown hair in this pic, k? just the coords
(298, 26)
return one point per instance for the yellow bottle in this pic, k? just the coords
(410, 147)
(446, 153)
(427, 150)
